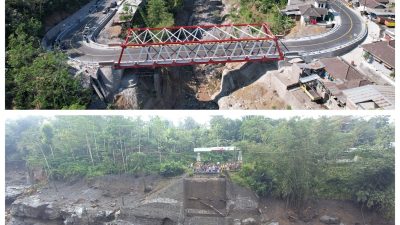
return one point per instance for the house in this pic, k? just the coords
(293, 12)
(339, 76)
(370, 97)
(374, 8)
(287, 80)
(307, 11)
(311, 68)
(382, 52)
(324, 80)
(371, 4)
(335, 98)
(310, 85)
(311, 15)
(321, 4)
(381, 15)
(342, 74)
(389, 34)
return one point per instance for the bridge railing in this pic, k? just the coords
(198, 34)
(188, 45)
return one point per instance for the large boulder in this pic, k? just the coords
(249, 221)
(329, 220)
(33, 221)
(33, 207)
(120, 222)
(148, 188)
(82, 215)
(13, 192)
(236, 222)
(75, 215)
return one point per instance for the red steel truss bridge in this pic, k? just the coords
(189, 45)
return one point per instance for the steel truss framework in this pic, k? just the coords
(177, 46)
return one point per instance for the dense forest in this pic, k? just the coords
(36, 79)
(161, 13)
(297, 159)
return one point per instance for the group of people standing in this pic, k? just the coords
(211, 168)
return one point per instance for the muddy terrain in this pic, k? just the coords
(152, 199)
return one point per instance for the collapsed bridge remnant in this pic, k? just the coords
(205, 196)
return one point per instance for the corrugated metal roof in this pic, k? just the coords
(383, 96)
(309, 78)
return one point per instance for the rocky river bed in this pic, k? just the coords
(128, 199)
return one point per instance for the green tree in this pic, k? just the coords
(158, 14)
(263, 11)
(26, 72)
(47, 84)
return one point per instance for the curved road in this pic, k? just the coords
(350, 28)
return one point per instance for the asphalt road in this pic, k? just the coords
(76, 47)
(350, 28)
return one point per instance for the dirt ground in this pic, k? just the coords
(197, 89)
(254, 96)
(302, 31)
(110, 34)
(207, 81)
(16, 173)
(113, 33)
(346, 211)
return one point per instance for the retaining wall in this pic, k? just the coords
(111, 80)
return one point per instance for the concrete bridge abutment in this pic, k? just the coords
(205, 196)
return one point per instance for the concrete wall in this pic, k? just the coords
(210, 190)
(283, 93)
(278, 86)
(111, 80)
